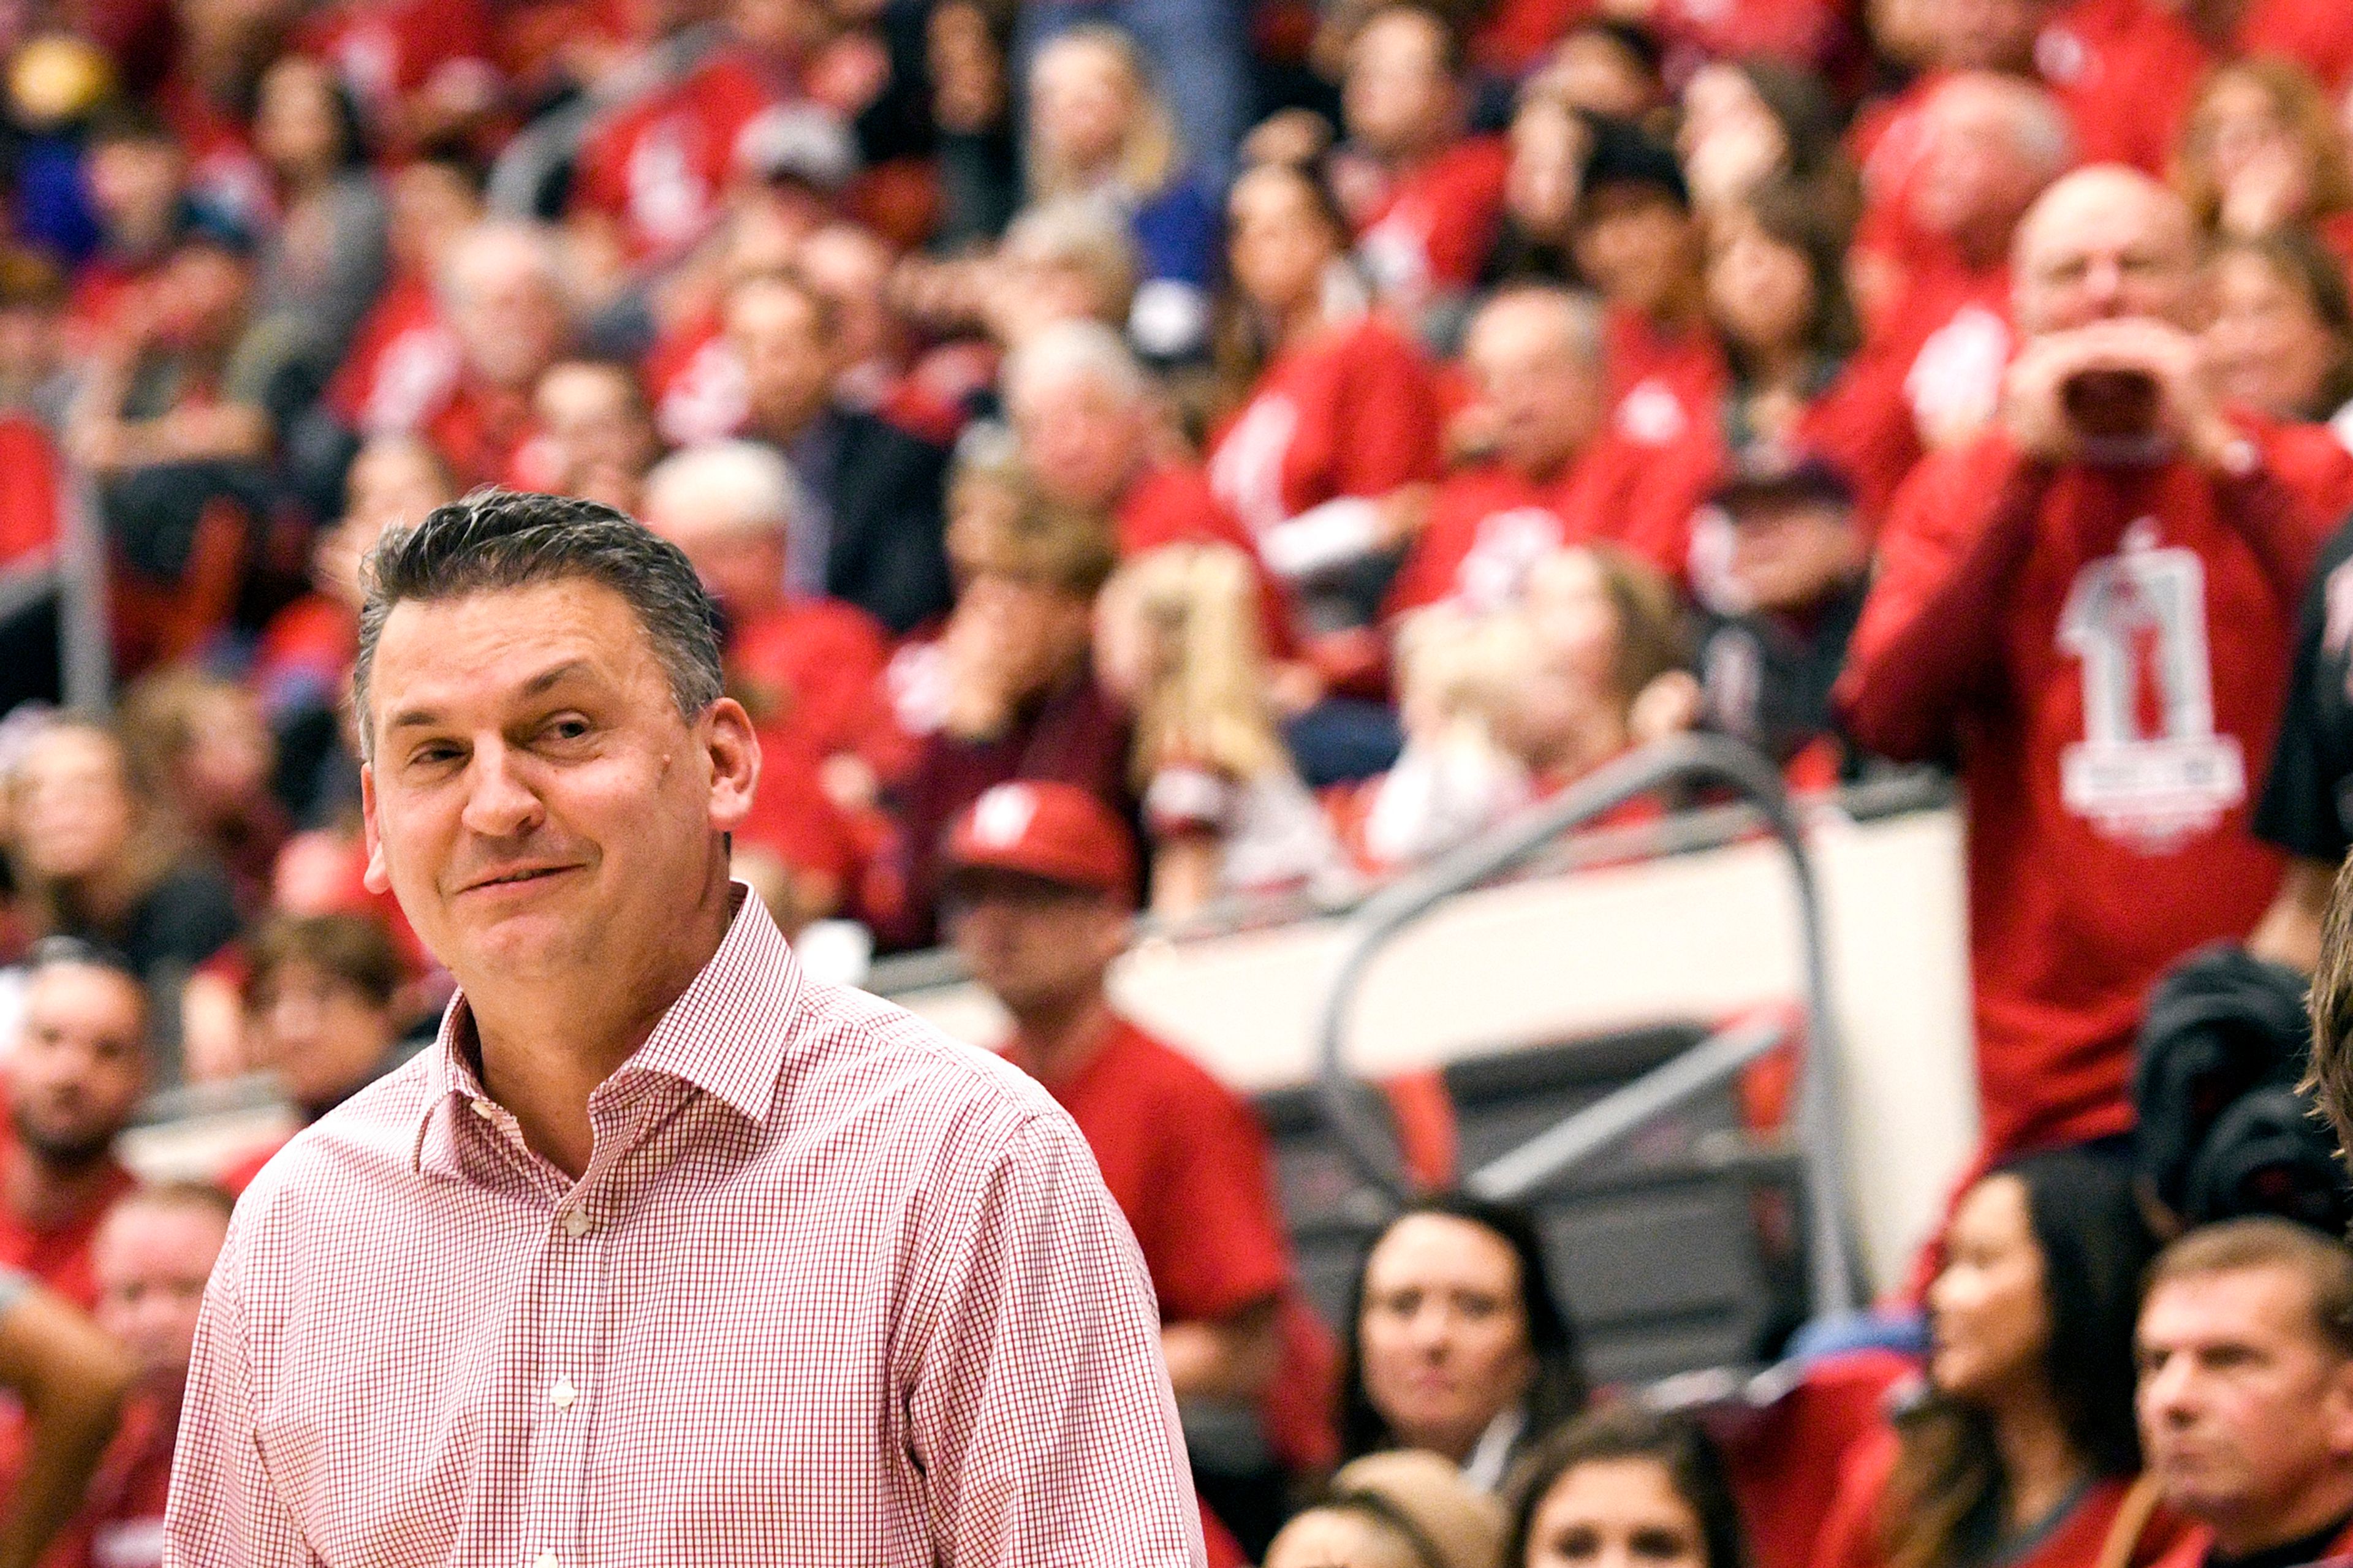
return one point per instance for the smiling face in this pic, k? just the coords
(2267, 346)
(535, 799)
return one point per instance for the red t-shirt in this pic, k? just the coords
(1189, 1167)
(1851, 1535)
(2316, 31)
(1188, 1164)
(1488, 526)
(120, 1524)
(659, 165)
(1784, 1466)
(1936, 363)
(2108, 665)
(1664, 385)
(386, 49)
(403, 365)
(1353, 414)
(695, 383)
(2127, 72)
(59, 1258)
(812, 674)
(1430, 231)
(483, 432)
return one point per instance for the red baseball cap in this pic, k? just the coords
(1056, 832)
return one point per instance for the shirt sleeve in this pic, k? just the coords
(1042, 1358)
(224, 1510)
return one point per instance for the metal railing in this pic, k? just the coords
(1544, 1160)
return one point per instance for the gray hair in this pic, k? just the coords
(494, 540)
(1083, 350)
(1577, 316)
(491, 247)
(738, 485)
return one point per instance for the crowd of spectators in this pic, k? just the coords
(1190, 455)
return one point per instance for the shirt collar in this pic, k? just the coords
(726, 1035)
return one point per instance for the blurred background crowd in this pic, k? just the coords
(1208, 456)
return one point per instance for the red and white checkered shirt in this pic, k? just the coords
(833, 1290)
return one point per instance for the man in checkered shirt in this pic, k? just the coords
(664, 1253)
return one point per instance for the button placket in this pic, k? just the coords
(571, 1309)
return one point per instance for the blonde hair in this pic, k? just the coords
(2301, 105)
(998, 522)
(1203, 703)
(1461, 667)
(1149, 152)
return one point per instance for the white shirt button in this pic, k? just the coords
(547, 1560)
(563, 1394)
(482, 1109)
(576, 1222)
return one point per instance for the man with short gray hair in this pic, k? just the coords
(664, 1252)
(2245, 1348)
(810, 671)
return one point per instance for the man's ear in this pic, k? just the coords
(2336, 1409)
(377, 879)
(733, 751)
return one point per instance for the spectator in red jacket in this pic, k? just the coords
(2097, 594)
(73, 1078)
(503, 294)
(1550, 475)
(152, 1257)
(1423, 195)
(1041, 892)
(2246, 1392)
(808, 671)
(1341, 416)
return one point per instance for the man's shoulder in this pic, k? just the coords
(866, 1054)
(378, 1123)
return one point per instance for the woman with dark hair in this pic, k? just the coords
(1456, 1342)
(324, 264)
(2280, 340)
(1647, 1488)
(1755, 122)
(1776, 296)
(2021, 1451)
(1340, 409)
